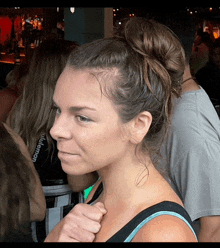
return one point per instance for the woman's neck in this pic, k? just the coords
(120, 181)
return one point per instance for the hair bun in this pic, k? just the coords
(161, 49)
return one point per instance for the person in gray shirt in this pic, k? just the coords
(191, 154)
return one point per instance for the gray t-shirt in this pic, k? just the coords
(191, 154)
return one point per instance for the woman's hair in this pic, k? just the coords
(32, 114)
(16, 182)
(146, 64)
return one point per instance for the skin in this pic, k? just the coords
(91, 137)
(209, 226)
(89, 128)
(82, 182)
(80, 225)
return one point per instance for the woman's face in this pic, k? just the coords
(87, 127)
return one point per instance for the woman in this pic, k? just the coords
(32, 117)
(113, 102)
(21, 194)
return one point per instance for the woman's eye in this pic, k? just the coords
(83, 119)
(58, 111)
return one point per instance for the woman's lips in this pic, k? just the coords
(66, 155)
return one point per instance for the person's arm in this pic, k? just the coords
(209, 229)
(82, 182)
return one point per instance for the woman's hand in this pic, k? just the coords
(80, 224)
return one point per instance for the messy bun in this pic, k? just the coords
(162, 54)
(144, 65)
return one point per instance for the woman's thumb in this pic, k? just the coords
(101, 207)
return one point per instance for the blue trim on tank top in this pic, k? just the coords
(135, 231)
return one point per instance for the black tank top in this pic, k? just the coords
(127, 233)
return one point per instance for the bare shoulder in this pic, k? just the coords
(165, 228)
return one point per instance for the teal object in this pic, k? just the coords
(87, 191)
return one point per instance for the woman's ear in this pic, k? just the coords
(140, 126)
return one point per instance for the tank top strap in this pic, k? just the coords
(96, 194)
(135, 231)
(128, 232)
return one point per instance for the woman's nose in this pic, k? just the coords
(60, 129)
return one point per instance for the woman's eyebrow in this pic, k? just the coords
(79, 108)
(76, 108)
